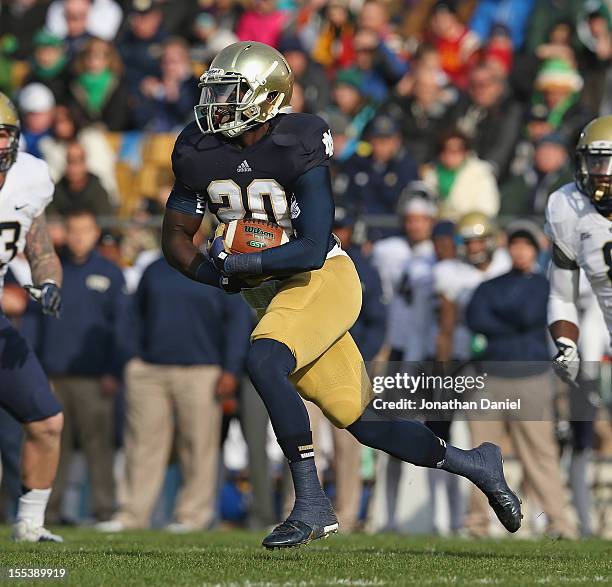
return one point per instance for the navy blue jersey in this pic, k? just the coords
(253, 182)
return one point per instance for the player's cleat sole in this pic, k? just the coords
(23, 531)
(492, 482)
(293, 533)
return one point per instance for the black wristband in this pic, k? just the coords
(246, 264)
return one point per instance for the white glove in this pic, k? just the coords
(567, 361)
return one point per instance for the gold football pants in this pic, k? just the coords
(311, 315)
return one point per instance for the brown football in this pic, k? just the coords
(251, 235)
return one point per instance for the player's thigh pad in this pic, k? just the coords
(337, 382)
(24, 388)
(313, 309)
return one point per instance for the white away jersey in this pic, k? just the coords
(584, 236)
(457, 280)
(26, 192)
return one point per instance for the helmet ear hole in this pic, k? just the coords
(271, 97)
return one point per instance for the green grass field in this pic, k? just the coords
(236, 558)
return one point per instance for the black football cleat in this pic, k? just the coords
(491, 481)
(293, 533)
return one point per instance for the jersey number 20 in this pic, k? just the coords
(264, 199)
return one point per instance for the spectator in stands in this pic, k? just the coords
(378, 177)
(558, 44)
(595, 34)
(141, 44)
(381, 69)
(209, 38)
(350, 102)
(309, 74)
(456, 44)
(227, 13)
(556, 102)
(526, 193)
(100, 158)
(498, 50)
(490, 118)
(84, 353)
(49, 64)
(517, 358)
(20, 21)
(546, 14)
(166, 103)
(37, 106)
(97, 93)
(462, 182)
(424, 114)
(261, 22)
(102, 17)
(333, 43)
(513, 14)
(74, 29)
(187, 361)
(78, 188)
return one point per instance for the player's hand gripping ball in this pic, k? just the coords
(244, 236)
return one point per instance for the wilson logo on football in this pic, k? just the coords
(242, 236)
(259, 232)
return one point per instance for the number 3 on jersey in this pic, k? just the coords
(264, 199)
(9, 235)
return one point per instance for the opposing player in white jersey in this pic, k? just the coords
(455, 280)
(579, 222)
(25, 191)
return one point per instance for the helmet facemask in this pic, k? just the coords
(9, 146)
(594, 176)
(231, 104)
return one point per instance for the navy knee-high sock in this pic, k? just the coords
(407, 440)
(269, 365)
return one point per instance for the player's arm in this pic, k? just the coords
(45, 266)
(563, 314)
(313, 194)
(178, 231)
(447, 319)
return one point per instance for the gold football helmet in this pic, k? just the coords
(247, 84)
(9, 133)
(475, 225)
(594, 164)
(478, 234)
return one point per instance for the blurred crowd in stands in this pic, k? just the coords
(452, 122)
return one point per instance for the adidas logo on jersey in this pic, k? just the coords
(243, 167)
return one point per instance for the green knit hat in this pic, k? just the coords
(350, 77)
(44, 38)
(558, 73)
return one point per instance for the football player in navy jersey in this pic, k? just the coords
(245, 157)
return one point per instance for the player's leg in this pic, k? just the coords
(269, 365)
(25, 393)
(304, 319)
(338, 383)
(414, 443)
